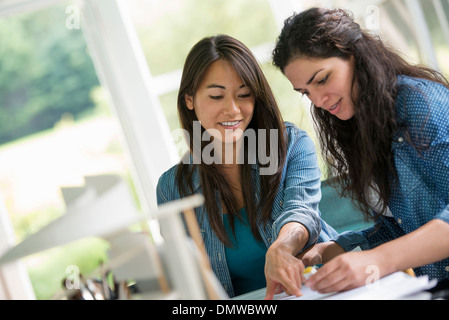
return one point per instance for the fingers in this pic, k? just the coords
(332, 283)
(310, 256)
(290, 283)
(283, 272)
(269, 294)
(294, 287)
(340, 274)
(291, 279)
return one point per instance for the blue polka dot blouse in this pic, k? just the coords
(422, 191)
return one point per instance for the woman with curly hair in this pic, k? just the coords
(383, 126)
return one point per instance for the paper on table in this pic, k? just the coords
(307, 294)
(395, 286)
(398, 285)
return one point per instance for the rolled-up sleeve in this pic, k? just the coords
(301, 188)
(386, 229)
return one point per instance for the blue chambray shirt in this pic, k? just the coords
(422, 191)
(297, 200)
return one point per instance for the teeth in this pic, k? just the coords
(332, 108)
(229, 123)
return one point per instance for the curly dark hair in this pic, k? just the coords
(358, 150)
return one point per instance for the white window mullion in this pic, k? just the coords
(122, 68)
(15, 283)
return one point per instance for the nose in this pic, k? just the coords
(318, 98)
(231, 107)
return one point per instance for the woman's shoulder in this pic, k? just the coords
(415, 91)
(422, 105)
(292, 130)
(297, 138)
(168, 176)
(166, 186)
(294, 133)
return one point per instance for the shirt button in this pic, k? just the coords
(447, 268)
(399, 221)
(401, 139)
(219, 256)
(281, 203)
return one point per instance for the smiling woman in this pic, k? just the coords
(328, 83)
(222, 102)
(253, 222)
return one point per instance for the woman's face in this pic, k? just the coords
(223, 102)
(326, 82)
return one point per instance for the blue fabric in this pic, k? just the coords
(246, 257)
(422, 191)
(297, 200)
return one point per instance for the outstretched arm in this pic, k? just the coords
(283, 270)
(428, 244)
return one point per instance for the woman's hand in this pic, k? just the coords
(320, 253)
(425, 245)
(346, 271)
(283, 271)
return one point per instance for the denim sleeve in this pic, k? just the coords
(439, 171)
(383, 231)
(165, 187)
(301, 188)
(161, 198)
(438, 157)
(432, 127)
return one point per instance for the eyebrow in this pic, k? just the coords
(310, 80)
(222, 87)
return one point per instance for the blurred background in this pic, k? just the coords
(58, 122)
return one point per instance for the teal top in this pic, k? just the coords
(246, 257)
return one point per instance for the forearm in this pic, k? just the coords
(428, 244)
(331, 250)
(292, 237)
(282, 269)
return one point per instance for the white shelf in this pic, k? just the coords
(103, 207)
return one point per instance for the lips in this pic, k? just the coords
(231, 124)
(334, 109)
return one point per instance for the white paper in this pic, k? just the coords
(398, 285)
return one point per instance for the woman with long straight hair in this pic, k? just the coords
(383, 125)
(259, 176)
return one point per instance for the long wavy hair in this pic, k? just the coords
(358, 151)
(266, 115)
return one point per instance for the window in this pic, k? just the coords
(56, 126)
(57, 123)
(167, 31)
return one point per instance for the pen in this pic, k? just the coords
(308, 271)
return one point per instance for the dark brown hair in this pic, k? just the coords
(358, 151)
(266, 116)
